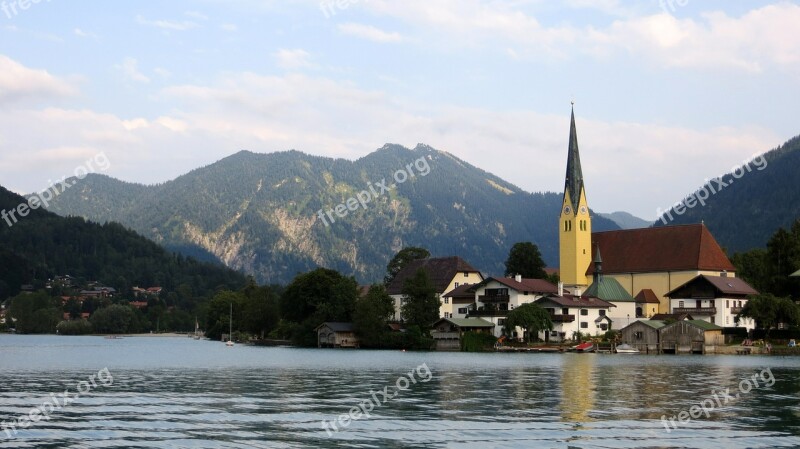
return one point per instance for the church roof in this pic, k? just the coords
(574, 178)
(608, 289)
(659, 249)
(440, 270)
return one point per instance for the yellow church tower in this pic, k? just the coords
(575, 224)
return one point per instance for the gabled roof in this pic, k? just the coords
(723, 285)
(575, 301)
(462, 291)
(659, 249)
(671, 316)
(704, 325)
(441, 271)
(655, 324)
(526, 285)
(795, 274)
(608, 289)
(466, 322)
(336, 326)
(648, 296)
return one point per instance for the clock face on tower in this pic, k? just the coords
(567, 210)
(583, 210)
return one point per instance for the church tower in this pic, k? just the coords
(575, 224)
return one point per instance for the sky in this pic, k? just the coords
(667, 93)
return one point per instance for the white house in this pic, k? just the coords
(571, 314)
(496, 296)
(715, 299)
(446, 273)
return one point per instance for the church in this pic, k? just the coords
(638, 270)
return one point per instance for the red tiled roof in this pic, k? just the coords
(647, 295)
(664, 248)
(527, 284)
(723, 285)
(575, 301)
(440, 270)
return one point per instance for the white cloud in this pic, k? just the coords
(130, 70)
(229, 27)
(196, 15)
(80, 33)
(369, 32)
(293, 59)
(18, 82)
(170, 25)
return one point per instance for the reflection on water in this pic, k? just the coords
(182, 393)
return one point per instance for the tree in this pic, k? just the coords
(526, 260)
(114, 319)
(371, 314)
(768, 311)
(420, 304)
(261, 309)
(401, 259)
(530, 317)
(35, 313)
(219, 312)
(315, 297)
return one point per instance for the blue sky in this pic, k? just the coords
(667, 93)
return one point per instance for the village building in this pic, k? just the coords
(572, 314)
(690, 336)
(462, 298)
(643, 335)
(716, 299)
(646, 303)
(496, 296)
(446, 273)
(448, 332)
(331, 334)
(608, 289)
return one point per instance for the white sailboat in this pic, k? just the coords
(230, 328)
(196, 329)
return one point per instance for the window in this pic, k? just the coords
(603, 326)
(711, 303)
(584, 312)
(446, 300)
(565, 311)
(727, 304)
(638, 335)
(680, 304)
(584, 325)
(456, 285)
(463, 310)
(466, 274)
(727, 320)
(602, 312)
(501, 322)
(554, 333)
(713, 320)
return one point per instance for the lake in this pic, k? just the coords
(175, 392)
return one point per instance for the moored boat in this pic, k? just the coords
(626, 349)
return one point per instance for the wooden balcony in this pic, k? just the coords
(562, 318)
(736, 310)
(489, 313)
(696, 310)
(491, 299)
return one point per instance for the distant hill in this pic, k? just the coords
(259, 212)
(626, 221)
(42, 244)
(746, 211)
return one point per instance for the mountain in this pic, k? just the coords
(744, 208)
(625, 220)
(41, 244)
(274, 215)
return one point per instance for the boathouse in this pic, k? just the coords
(332, 334)
(690, 336)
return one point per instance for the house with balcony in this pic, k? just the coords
(715, 299)
(496, 296)
(571, 314)
(446, 273)
(462, 299)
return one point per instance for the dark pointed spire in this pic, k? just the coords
(574, 179)
(598, 266)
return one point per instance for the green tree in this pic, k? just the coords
(526, 260)
(401, 259)
(114, 319)
(218, 317)
(371, 315)
(420, 304)
(36, 313)
(768, 310)
(315, 297)
(530, 317)
(261, 309)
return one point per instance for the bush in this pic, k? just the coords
(74, 327)
(477, 342)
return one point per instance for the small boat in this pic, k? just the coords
(626, 349)
(584, 347)
(230, 329)
(196, 329)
